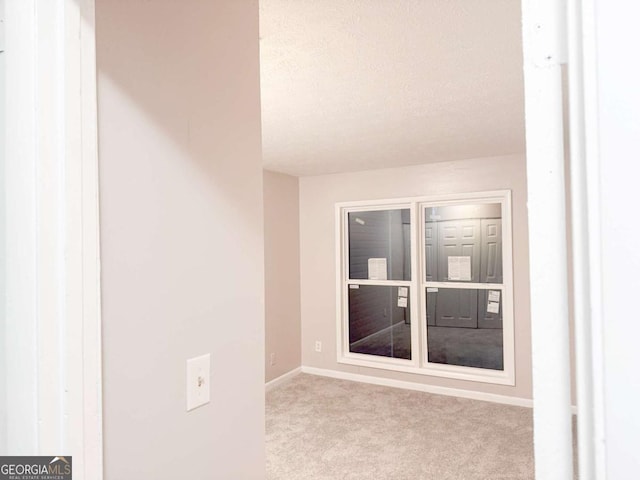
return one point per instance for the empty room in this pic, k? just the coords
(318, 239)
(396, 242)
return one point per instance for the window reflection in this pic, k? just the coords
(464, 327)
(463, 243)
(380, 320)
(380, 245)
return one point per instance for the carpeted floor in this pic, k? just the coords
(320, 428)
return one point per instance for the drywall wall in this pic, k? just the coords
(282, 274)
(318, 195)
(182, 236)
(618, 330)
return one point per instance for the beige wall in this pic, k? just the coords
(182, 236)
(282, 273)
(318, 196)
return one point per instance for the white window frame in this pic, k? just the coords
(345, 356)
(419, 363)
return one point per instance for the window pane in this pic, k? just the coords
(380, 321)
(380, 245)
(464, 243)
(464, 327)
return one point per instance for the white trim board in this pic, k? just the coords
(284, 378)
(544, 42)
(53, 322)
(420, 387)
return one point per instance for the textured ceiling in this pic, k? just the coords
(361, 84)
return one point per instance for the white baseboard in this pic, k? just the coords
(420, 387)
(282, 379)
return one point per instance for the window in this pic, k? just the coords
(425, 286)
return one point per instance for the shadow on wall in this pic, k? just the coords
(161, 78)
(181, 234)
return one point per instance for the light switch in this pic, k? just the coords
(198, 380)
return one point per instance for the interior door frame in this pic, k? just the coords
(53, 321)
(554, 34)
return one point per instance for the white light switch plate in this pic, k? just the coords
(198, 380)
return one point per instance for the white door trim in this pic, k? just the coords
(544, 39)
(586, 238)
(89, 230)
(53, 271)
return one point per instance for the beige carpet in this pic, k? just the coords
(321, 428)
